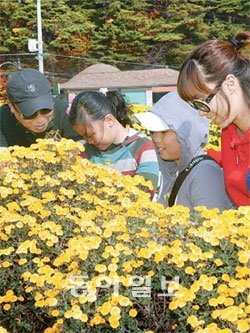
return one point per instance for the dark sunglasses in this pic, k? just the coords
(202, 104)
(34, 115)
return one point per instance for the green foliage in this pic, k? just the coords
(138, 31)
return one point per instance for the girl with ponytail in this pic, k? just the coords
(215, 80)
(102, 119)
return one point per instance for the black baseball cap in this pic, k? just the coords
(30, 91)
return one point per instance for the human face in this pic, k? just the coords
(167, 145)
(223, 108)
(37, 123)
(220, 114)
(98, 134)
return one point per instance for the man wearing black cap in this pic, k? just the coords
(31, 112)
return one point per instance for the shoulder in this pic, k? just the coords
(138, 138)
(229, 134)
(133, 133)
(6, 115)
(207, 177)
(140, 143)
(60, 115)
(60, 106)
(4, 108)
(207, 168)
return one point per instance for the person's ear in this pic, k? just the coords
(231, 84)
(109, 120)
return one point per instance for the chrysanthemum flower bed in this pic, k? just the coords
(82, 249)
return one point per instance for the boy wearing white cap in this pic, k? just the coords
(189, 177)
(31, 112)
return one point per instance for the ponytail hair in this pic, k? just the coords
(123, 110)
(92, 105)
(242, 43)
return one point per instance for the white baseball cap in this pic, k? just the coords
(150, 121)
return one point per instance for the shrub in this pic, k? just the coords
(62, 217)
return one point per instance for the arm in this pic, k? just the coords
(147, 162)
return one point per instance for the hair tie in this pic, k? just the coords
(234, 42)
(103, 91)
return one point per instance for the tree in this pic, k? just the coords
(131, 33)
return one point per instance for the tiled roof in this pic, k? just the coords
(102, 75)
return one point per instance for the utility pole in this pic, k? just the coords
(166, 10)
(39, 36)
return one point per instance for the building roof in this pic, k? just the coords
(102, 75)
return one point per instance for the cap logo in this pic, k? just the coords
(31, 87)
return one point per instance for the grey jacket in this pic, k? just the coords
(204, 185)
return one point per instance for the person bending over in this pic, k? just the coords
(215, 79)
(31, 112)
(102, 120)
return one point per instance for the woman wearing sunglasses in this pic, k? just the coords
(215, 80)
(31, 112)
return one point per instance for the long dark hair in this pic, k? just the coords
(92, 105)
(211, 62)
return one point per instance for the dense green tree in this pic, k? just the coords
(65, 28)
(226, 17)
(145, 31)
(77, 33)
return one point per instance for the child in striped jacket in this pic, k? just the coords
(102, 119)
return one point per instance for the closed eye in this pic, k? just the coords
(88, 135)
(167, 131)
(163, 132)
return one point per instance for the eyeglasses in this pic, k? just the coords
(202, 104)
(34, 115)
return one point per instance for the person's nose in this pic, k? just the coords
(39, 116)
(40, 119)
